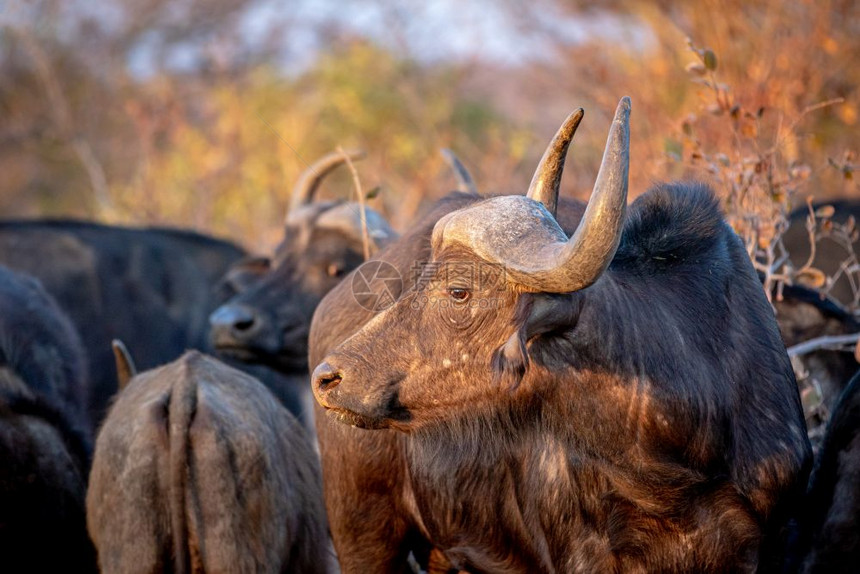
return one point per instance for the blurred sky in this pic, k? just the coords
(486, 31)
(293, 33)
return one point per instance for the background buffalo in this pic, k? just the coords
(199, 468)
(153, 288)
(829, 516)
(45, 443)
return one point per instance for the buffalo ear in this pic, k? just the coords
(537, 314)
(125, 369)
(511, 361)
(243, 274)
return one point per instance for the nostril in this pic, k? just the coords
(244, 324)
(330, 381)
(233, 317)
(326, 377)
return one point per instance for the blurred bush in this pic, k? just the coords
(216, 145)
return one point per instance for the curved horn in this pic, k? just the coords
(547, 178)
(125, 368)
(464, 178)
(520, 234)
(346, 218)
(580, 261)
(310, 179)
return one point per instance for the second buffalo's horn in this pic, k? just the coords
(310, 179)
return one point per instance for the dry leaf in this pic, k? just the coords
(710, 60)
(812, 277)
(825, 211)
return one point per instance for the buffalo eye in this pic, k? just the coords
(459, 294)
(334, 270)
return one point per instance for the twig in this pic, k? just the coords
(803, 113)
(830, 342)
(810, 229)
(813, 107)
(63, 118)
(365, 237)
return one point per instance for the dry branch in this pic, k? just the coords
(831, 342)
(365, 237)
(63, 118)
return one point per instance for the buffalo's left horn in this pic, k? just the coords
(547, 178)
(461, 173)
(310, 179)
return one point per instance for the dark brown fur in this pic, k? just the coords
(198, 468)
(44, 440)
(647, 423)
(365, 479)
(151, 288)
(830, 534)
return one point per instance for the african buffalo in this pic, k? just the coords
(616, 401)
(152, 288)
(44, 442)
(198, 468)
(831, 522)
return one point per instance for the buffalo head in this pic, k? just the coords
(501, 272)
(267, 319)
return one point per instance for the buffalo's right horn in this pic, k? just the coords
(580, 261)
(125, 368)
(547, 178)
(461, 173)
(310, 179)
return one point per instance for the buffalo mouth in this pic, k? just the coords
(244, 354)
(350, 418)
(280, 360)
(397, 418)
